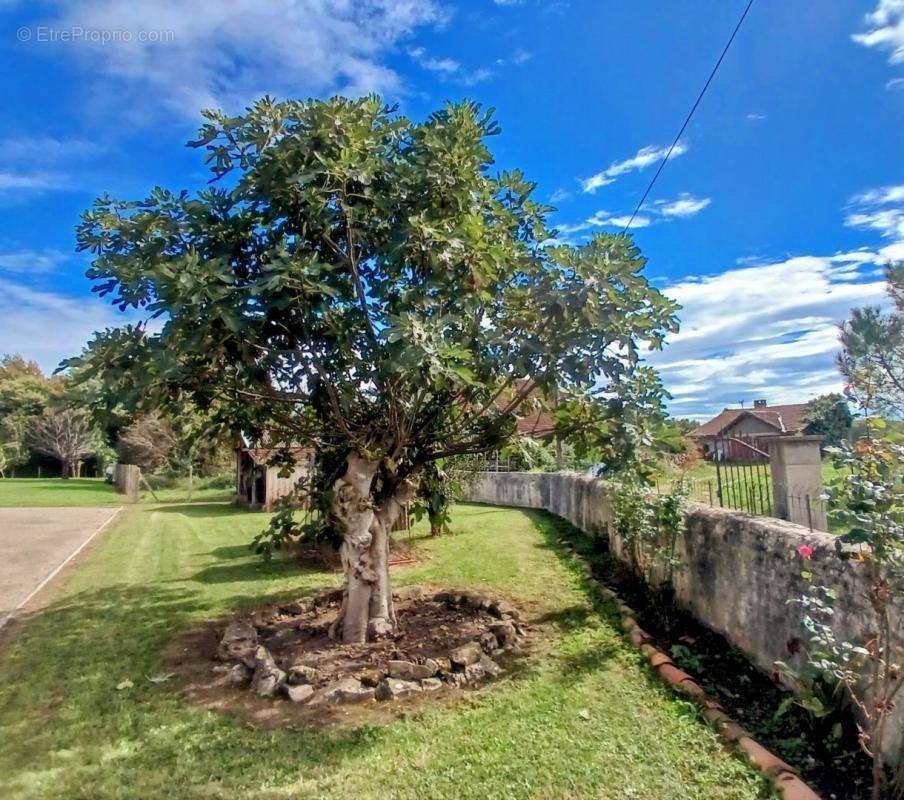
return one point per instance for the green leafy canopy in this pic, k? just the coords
(357, 281)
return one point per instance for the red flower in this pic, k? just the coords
(805, 550)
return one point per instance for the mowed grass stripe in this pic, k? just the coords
(67, 732)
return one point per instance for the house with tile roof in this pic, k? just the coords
(736, 432)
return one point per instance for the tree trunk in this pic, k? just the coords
(64, 473)
(436, 522)
(367, 611)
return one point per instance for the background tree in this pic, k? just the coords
(872, 357)
(147, 442)
(66, 435)
(361, 284)
(25, 393)
(830, 417)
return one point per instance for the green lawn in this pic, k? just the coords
(66, 732)
(57, 492)
(204, 490)
(742, 489)
(47, 492)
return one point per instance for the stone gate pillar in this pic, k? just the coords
(796, 466)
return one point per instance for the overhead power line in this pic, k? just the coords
(690, 114)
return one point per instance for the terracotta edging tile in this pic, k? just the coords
(783, 776)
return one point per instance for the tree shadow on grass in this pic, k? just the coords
(203, 509)
(255, 569)
(90, 671)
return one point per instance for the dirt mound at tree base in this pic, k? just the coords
(280, 665)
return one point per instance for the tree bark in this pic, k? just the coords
(367, 613)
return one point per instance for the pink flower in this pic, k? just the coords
(805, 550)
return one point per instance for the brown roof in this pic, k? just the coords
(537, 424)
(785, 419)
(261, 453)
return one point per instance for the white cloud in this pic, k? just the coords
(685, 205)
(768, 330)
(876, 209)
(477, 76)
(756, 117)
(35, 164)
(895, 84)
(212, 54)
(444, 65)
(30, 181)
(559, 195)
(447, 65)
(886, 29)
(516, 59)
(682, 207)
(32, 261)
(48, 327)
(642, 159)
(603, 219)
(452, 69)
(46, 149)
(622, 221)
(880, 196)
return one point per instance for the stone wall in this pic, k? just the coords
(737, 572)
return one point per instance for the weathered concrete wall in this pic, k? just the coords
(737, 572)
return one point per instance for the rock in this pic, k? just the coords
(371, 677)
(443, 597)
(238, 643)
(301, 674)
(490, 667)
(505, 634)
(299, 694)
(584, 714)
(393, 689)
(474, 673)
(456, 679)
(443, 664)
(431, 684)
(267, 678)
(409, 671)
(488, 641)
(472, 600)
(238, 674)
(346, 690)
(408, 593)
(465, 655)
(326, 598)
(504, 610)
(297, 608)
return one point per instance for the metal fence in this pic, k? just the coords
(743, 479)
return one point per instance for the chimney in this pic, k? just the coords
(759, 404)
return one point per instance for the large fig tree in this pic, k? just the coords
(360, 283)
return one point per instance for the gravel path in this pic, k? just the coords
(36, 543)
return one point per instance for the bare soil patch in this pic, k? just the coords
(278, 666)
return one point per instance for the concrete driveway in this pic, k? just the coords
(36, 543)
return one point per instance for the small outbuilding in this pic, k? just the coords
(259, 485)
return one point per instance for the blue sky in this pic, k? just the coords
(783, 199)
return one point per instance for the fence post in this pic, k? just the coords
(796, 463)
(127, 478)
